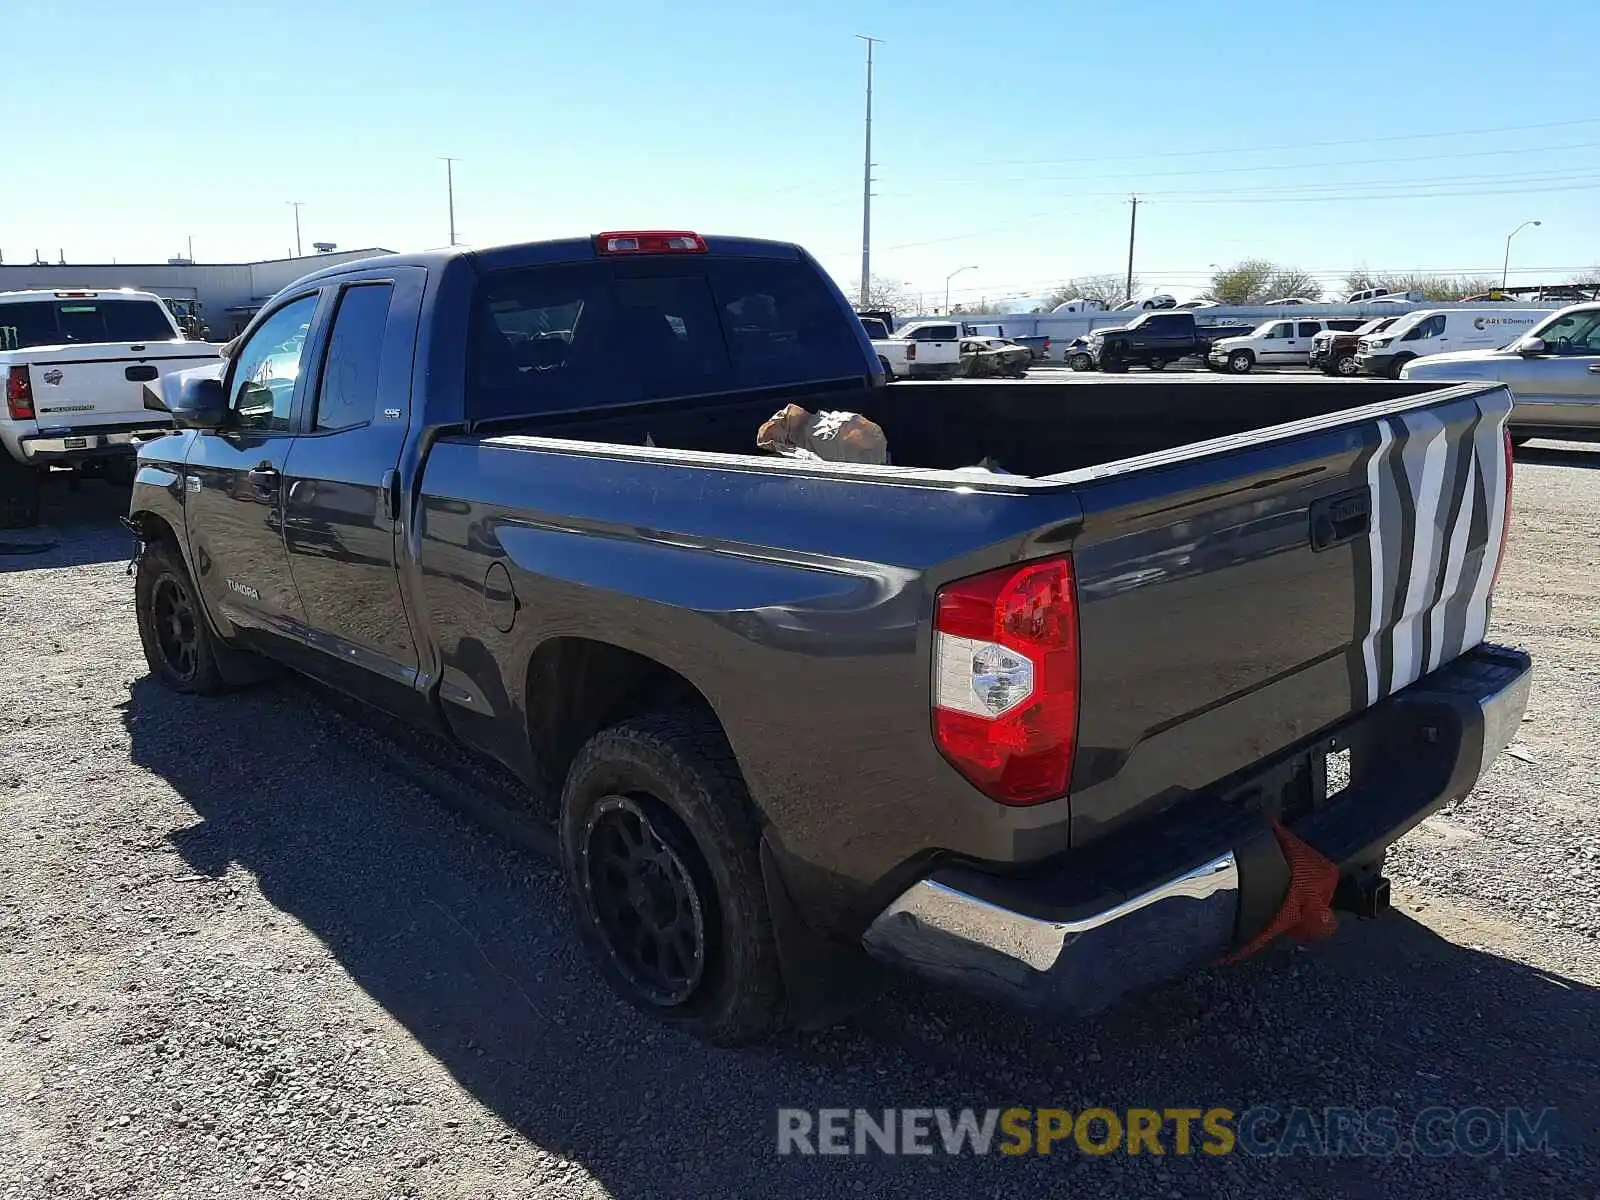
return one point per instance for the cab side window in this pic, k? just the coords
(266, 367)
(348, 395)
(1283, 329)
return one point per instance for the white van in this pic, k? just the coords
(1439, 330)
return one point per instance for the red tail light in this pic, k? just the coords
(911, 352)
(1005, 680)
(1505, 528)
(661, 241)
(19, 394)
(1047, 345)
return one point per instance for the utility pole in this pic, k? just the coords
(191, 247)
(297, 205)
(866, 183)
(1133, 223)
(450, 192)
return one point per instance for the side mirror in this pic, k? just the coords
(1531, 346)
(200, 403)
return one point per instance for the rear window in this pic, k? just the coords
(584, 335)
(114, 321)
(47, 323)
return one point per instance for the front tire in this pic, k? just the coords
(178, 643)
(1157, 364)
(1399, 365)
(1241, 362)
(1080, 362)
(20, 493)
(660, 852)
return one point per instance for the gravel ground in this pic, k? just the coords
(250, 947)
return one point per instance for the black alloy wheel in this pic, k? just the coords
(645, 898)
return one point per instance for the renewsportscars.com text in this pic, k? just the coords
(1260, 1131)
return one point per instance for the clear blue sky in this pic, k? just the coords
(1008, 135)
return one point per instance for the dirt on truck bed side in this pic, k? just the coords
(251, 948)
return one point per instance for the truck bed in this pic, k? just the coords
(1035, 429)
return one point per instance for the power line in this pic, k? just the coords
(1257, 167)
(1362, 141)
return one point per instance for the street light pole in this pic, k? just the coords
(1505, 267)
(866, 184)
(450, 193)
(947, 280)
(297, 205)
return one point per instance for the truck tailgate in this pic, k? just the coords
(85, 386)
(1269, 590)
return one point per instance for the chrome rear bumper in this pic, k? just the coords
(1018, 939)
(949, 936)
(54, 445)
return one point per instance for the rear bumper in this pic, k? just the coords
(1109, 920)
(75, 445)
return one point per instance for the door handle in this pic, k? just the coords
(264, 477)
(1595, 370)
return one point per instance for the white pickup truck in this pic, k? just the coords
(924, 350)
(75, 363)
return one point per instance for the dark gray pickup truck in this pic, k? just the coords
(1033, 732)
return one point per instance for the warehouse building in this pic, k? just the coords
(228, 294)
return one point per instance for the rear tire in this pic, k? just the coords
(888, 371)
(178, 643)
(1157, 364)
(20, 493)
(661, 854)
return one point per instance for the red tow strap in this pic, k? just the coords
(1307, 910)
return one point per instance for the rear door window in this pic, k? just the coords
(1310, 328)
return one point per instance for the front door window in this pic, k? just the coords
(267, 366)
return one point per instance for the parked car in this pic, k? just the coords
(1198, 304)
(922, 350)
(1366, 294)
(1434, 331)
(75, 362)
(1286, 300)
(1333, 351)
(1078, 304)
(1152, 339)
(1038, 344)
(990, 356)
(1157, 301)
(1553, 371)
(784, 709)
(1274, 343)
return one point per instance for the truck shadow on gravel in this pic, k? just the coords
(77, 526)
(466, 943)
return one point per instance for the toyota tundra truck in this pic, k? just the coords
(75, 363)
(1033, 707)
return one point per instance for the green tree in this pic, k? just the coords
(1243, 283)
